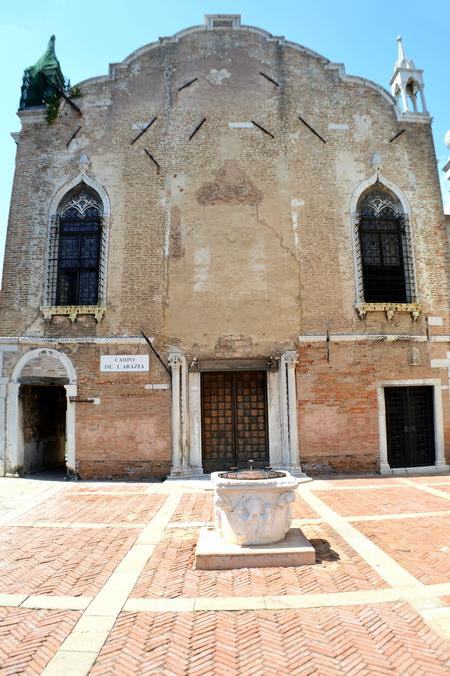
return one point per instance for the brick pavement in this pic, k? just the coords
(94, 508)
(421, 546)
(380, 501)
(60, 561)
(28, 638)
(194, 507)
(377, 600)
(170, 571)
(364, 640)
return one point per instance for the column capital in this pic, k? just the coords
(290, 358)
(175, 360)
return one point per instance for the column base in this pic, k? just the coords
(180, 473)
(414, 471)
(197, 472)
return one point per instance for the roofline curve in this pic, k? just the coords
(339, 67)
(204, 29)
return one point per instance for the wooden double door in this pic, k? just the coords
(234, 419)
(410, 426)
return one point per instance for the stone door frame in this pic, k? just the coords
(186, 413)
(439, 459)
(14, 451)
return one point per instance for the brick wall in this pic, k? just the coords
(337, 399)
(257, 229)
(239, 244)
(128, 433)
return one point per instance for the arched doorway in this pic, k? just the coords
(40, 413)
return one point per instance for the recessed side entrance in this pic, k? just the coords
(234, 419)
(40, 413)
(410, 426)
(44, 427)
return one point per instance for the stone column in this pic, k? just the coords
(2, 426)
(195, 424)
(439, 460)
(284, 420)
(71, 464)
(384, 465)
(184, 418)
(422, 99)
(180, 465)
(273, 404)
(290, 362)
(14, 455)
(3, 398)
(404, 100)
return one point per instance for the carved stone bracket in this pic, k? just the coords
(73, 311)
(389, 308)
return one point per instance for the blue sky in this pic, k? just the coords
(91, 34)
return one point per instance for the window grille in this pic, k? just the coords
(386, 261)
(75, 267)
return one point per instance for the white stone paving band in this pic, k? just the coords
(79, 651)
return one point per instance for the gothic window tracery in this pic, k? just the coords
(76, 251)
(385, 250)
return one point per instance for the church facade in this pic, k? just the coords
(227, 249)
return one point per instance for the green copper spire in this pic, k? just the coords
(43, 80)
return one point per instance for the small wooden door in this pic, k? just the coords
(234, 419)
(410, 426)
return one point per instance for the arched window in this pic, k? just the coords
(385, 248)
(75, 261)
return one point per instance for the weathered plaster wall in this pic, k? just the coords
(240, 242)
(252, 231)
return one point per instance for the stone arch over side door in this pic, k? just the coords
(36, 364)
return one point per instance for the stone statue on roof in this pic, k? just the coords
(43, 80)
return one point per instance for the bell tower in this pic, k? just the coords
(407, 84)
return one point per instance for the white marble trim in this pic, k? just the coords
(436, 383)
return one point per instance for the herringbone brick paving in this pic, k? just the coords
(170, 571)
(421, 546)
(112, 487)
(301, 510)
(194, 507)
(98, 508)
(58, 561)
(386, 639)
(352, 482)
(382, 501)
(29, 638)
